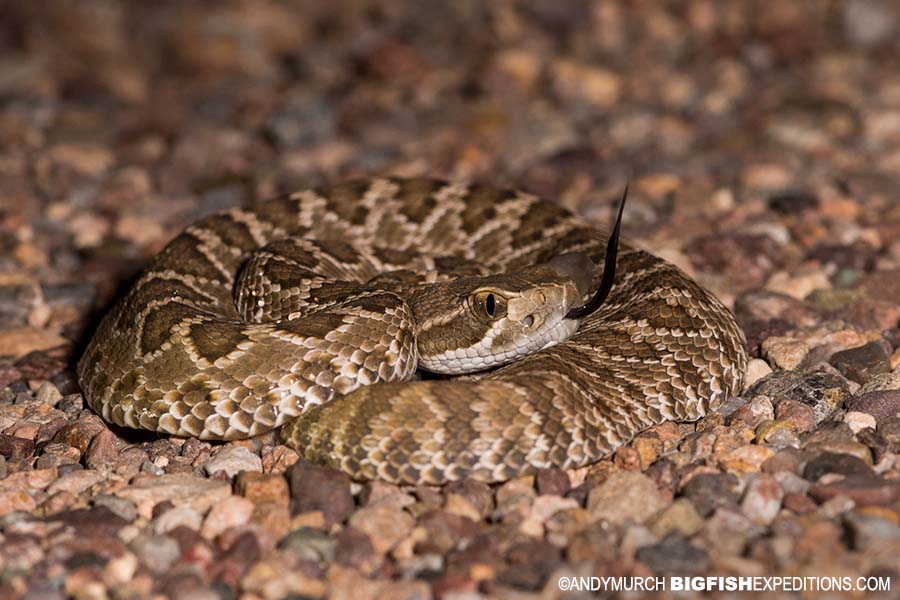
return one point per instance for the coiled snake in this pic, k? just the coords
(320, 310)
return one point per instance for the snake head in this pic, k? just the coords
(476, 323)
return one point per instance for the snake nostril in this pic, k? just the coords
(528, 321)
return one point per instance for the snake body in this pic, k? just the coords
(315, 311)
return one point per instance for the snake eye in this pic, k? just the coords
(488, 304)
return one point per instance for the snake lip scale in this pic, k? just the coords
(315, 312)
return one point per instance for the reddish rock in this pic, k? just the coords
(259, 488)
(801, 415)
(762, 499)
(840, 464)
(864, 362)
(445, 532)
(81, 433)
(320, 488)
(479, 495)
(355, 549)
(882, 405)
(552, 481)
(15, 447)
(179, 488)
(799, 503)
(103, 451)
(863, 490)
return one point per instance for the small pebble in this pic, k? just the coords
(862, 363)
(861, 489)
(837, 439)
(709, 491)
(445, 531)
(799, 503)
(784, 353)
(859, 421)
(229, 512)
(821, 391)
(157, 552)
(867, 529)
(880, 405)
(869, 23)
(552, 481)
(179, 516)
(233, 460)
(384, 525)
(315, 488)
(778, 433)
(746, 459)
(477, 495)
(181, 489)
(674, 554)
(119, 506)
(626, 495)
(728, 530)
(756, 370)
(679, 516)
(80, 433)
(259, 488)
(355, 549)
(758, 410)
(308, 544)
(762, 499)
(801, 416)
(103, 452)
(791, 483)
(48, 394)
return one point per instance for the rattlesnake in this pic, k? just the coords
(305, 311)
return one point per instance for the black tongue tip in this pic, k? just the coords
(609, 268)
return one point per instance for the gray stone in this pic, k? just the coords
(709, 491)
(831, 462)
(309, 544)
(232, 460)
(864, 529)
(870, 23)
(674, 555)
(823, 392)
(157, 552)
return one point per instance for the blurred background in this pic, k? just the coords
(761, 138)
(122, 121)
(240, 98)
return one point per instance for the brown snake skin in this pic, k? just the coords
(202, 346)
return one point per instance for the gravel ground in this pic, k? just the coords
(762, 141)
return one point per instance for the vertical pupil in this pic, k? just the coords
(489, 304)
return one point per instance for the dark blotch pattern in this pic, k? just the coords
(216, 339)
(659, 348)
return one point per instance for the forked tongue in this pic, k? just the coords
(609, 269)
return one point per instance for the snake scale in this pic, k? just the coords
(320, 311)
